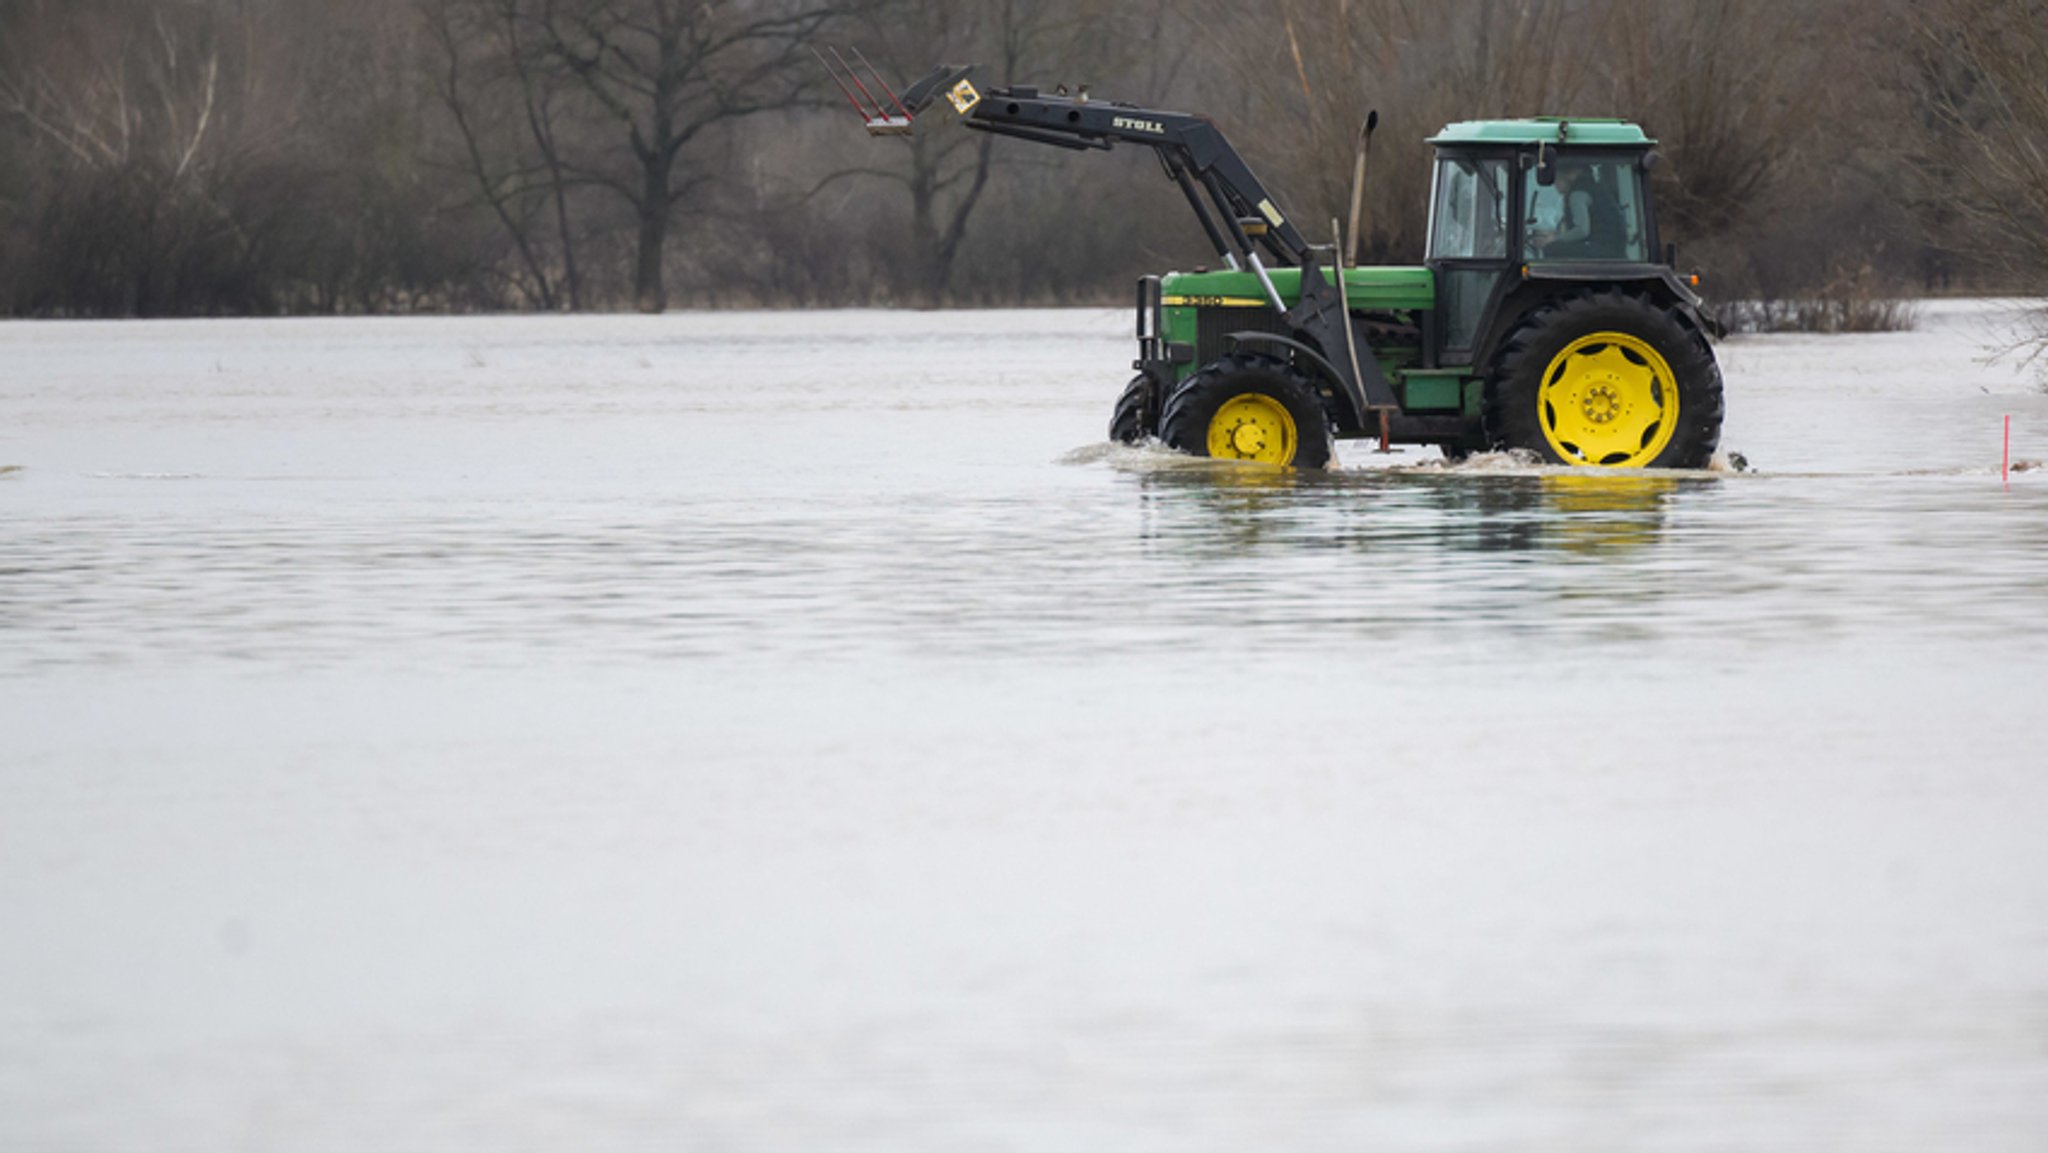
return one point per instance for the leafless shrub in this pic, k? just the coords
(1853, 301)
(210, 157)
(1821, 314)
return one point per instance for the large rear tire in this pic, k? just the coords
(1606, 379)
(1251, 408)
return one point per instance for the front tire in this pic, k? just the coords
(1608, 380)
(1250, 408)
(1136, 415)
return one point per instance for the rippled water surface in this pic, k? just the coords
(799, 732)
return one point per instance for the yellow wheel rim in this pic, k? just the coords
(1608, 399)
(1253, 426)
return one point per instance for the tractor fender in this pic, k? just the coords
(1544, 283)
(1345, 413)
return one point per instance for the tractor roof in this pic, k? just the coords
(1545, 130)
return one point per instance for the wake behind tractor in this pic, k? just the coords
(1544, 316)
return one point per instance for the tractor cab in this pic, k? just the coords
(1513, 201)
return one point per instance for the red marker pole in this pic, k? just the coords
(2005, 457)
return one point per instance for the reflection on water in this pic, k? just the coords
(1245, 506)
(1104, 560)
(1603, 515)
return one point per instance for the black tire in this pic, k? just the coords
(1194, 406)
(1136, 415)
(1521, 412)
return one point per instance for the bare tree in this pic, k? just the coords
(540, 89)
(665, 71)
(1733, 89)
(129, 101)
(1305, 73)
(127, 93)
(948, 170)
(1982, 78)
(476, 88)
(215, 156)
(1735, 119)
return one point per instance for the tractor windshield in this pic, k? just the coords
(1592, 212)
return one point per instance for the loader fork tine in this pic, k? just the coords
(874, 115)
(855, 77)
(843, 89)
(877, 74)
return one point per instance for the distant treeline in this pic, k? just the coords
(216, 157)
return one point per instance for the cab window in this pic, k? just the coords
(1469, 213)
(1592, 211)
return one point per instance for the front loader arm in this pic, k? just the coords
(1193, 151)
(1238, 208)
(1235, 210)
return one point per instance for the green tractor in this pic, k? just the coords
(1544, 317)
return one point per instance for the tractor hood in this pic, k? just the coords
(1378, 287)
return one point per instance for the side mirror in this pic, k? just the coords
(1651, 160)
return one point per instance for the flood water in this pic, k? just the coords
(798, 731)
